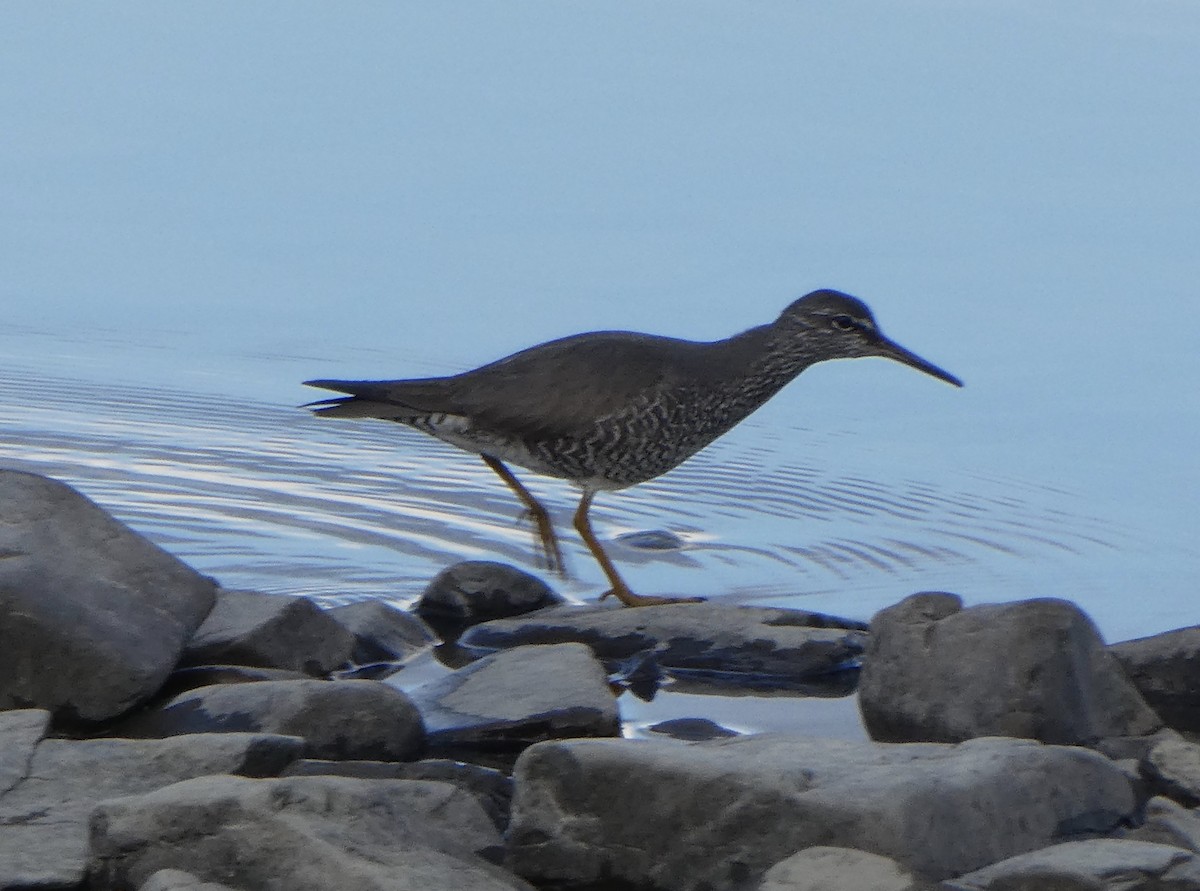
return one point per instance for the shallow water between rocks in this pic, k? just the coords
(254, 491)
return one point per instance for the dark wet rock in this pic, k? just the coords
(837, 869)
(43, 818)
(1166, 670)
(337, 719)
(382, 633)
(312, 833)
(191, 677)
(177, 880)
(1172, 768)
(507, 701)
(1166, 822)
(270, 631)
(1035, 669)
(95, 615)
(700, 637)
(692, 729)
(653, 540)
(1105, 864)
(478, 590)
(718, 814)
(492, 788)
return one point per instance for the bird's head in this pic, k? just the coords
(837, 326)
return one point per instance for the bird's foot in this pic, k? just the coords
(628, 598)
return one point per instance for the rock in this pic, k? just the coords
(381, 632)
(477, 590)
(505, 702)
(337, 719)
(1035, 669)
(43, 818)
(1103, 864)
(836, 869)
(176, 880)
(1165, 668)
(1168, 823)
(704, 637)
(95, 615)
(691, 729)
(184, 679)
(270, 631)
(20, 732)
(309, 834)
(491, 788)
(1172, 768)
(657, 813)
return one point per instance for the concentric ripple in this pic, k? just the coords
(268, 497)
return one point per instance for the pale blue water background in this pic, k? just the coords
(202, 205)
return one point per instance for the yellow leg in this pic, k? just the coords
(543, 528)
(619, 589)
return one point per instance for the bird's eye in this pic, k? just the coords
(843, 323)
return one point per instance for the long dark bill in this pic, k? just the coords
(893, 350)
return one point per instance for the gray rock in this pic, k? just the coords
(684, 817)
(270, 631)
(1166, 670)
(43, 819)
(1103, 864)
(477, 590)
(506, 701)
(95, 615)
(708, 637)
(492, 788)
(337, 719)
(20, 732)
(309, 834)
(381, 632)
(1173, 769)
(177, 880)
(836, 869)
(1168, 823)
(1035, 669)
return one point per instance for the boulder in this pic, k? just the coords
(43, 817)
(836, 869)
(309, 834)
(477, 590)
(20, 732)
(686, 817)
(505, 702)
(337, 719)
(1035, 669)
(95, 615)
(1103, 864)
(1166, 670)
(762, 642)
(270, 631)
(381, 632)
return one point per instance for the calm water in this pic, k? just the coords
(205, 206)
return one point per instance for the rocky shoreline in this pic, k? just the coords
(160, 732)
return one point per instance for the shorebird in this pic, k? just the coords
(610, 409)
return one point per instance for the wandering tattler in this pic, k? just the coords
(610, 409)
